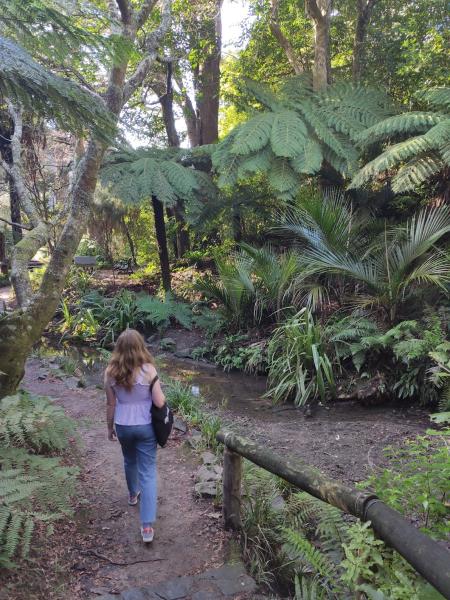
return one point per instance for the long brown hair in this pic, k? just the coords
(128, 355)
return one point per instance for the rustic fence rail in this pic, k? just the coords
(428, 557)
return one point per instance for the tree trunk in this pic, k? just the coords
(130, 243)
(181, 243)
(161, 238)
(236, 223)
(14, 203)
(282, 39)
(20, 330)
(319, 11)
(209, 80)
(3, 265)
(362, 21)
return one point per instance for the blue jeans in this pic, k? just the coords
(139, 456)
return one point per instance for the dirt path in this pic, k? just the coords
(78, 561)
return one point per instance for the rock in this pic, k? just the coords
(184, 353)
(205, 474)
(195, 439)
(206, 488)
(278, 504)
(153, 338)
(180, 425)
(174, 589)
(208, 458)
(168, 344)
(82, 383)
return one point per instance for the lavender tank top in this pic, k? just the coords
(133, 406)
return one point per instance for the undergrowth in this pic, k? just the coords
(35, 489)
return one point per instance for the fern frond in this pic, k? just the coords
(254, 134)
(281, 175)
(307, 553)
(407, 123)
(288, 134)
(416, 172)
(34, 422)
(438, 97)
(25, 81)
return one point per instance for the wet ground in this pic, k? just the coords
(343, 439)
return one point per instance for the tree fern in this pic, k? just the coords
(137, 175)
(417, 159)
(254, 134)
(25, 81)
(33, 422)
(296, 131)
(159, 313)
(288, 134)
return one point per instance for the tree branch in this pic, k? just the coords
(125, 11)
(282, 39)
(152, 45)
(143, 14)
(27, 227)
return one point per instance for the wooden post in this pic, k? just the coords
(232, 474)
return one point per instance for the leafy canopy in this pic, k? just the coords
(425, 153)
(297, 131)
(137, 175)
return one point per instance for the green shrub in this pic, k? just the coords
(416, 482)
(104, 317)
(299, 368)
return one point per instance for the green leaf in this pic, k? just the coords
(288, 134)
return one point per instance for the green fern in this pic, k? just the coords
(33, 489)
(137, 175)
(308, 589)
(34, 422)
(303, 550)
(296, 131)
(159, 313)
(417, 159)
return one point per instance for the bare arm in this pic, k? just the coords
(110, 408)
(158, 397)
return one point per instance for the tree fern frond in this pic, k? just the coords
(258, 162)
(390, 158)
(281, 175)
(310, 160)
(254, 134)
(263, 93)
(407, 123)
(416, 172)
(25, 81)
(288, 134)
(438, 97)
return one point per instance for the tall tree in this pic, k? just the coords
(365, 8)
(20, 329)
(319, 12)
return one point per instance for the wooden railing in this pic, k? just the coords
(428, 557)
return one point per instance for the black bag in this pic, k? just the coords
(162, 419)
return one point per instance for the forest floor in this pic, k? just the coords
(344, 439)
(83, 558)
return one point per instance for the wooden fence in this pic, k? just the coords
(430, 558)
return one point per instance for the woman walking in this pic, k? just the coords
(131, 385)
